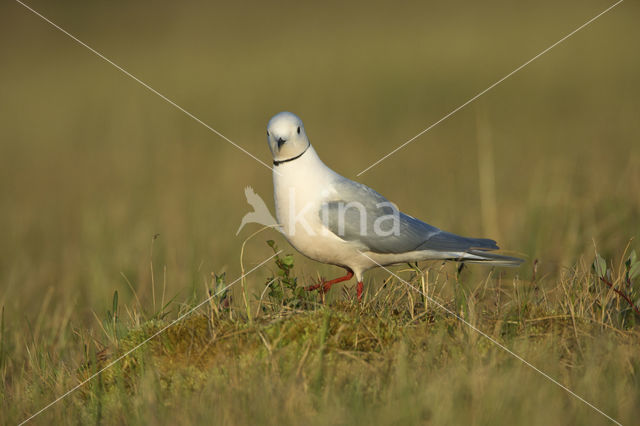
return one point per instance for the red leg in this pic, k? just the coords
(327, 285)
(360, 288)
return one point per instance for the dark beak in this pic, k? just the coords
(280, 142)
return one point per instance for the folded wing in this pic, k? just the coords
(365, 217)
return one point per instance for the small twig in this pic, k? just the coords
(266, 287)
(621, 294)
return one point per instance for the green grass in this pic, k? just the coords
(93, 167)
(390, 359)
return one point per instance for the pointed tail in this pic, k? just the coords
(479, 256)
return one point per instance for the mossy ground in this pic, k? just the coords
(385, 360)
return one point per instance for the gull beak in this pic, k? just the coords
(281, 142)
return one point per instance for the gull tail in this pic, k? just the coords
(470, 250)
(480, 256)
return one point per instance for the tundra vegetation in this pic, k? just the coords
(118, 214)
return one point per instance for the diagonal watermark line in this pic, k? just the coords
(491, 87)
(495, 342)
(145, 85)
(135, 348)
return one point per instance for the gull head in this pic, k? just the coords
(286, 136)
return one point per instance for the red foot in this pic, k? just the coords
(327, 285)
(360, 288)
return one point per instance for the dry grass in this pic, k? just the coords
(92, 167)
(387, 360)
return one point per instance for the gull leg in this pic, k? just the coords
(327, 285)
(360, 289)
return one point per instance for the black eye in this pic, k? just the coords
(298, 129)
(267, 133)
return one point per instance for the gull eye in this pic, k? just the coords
(268, 133)
(298, 129)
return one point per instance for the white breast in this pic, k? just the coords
(300, 188)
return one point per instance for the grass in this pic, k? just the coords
(395, 358)
(118, 213)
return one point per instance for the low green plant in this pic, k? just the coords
(282, 287)
(625, 285)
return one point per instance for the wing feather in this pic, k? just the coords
(361, 215)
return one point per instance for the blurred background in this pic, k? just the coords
(93, 165)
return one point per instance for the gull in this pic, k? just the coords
(334, 220)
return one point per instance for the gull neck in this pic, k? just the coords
(278, 162)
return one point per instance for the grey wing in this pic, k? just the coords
(365, 217)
